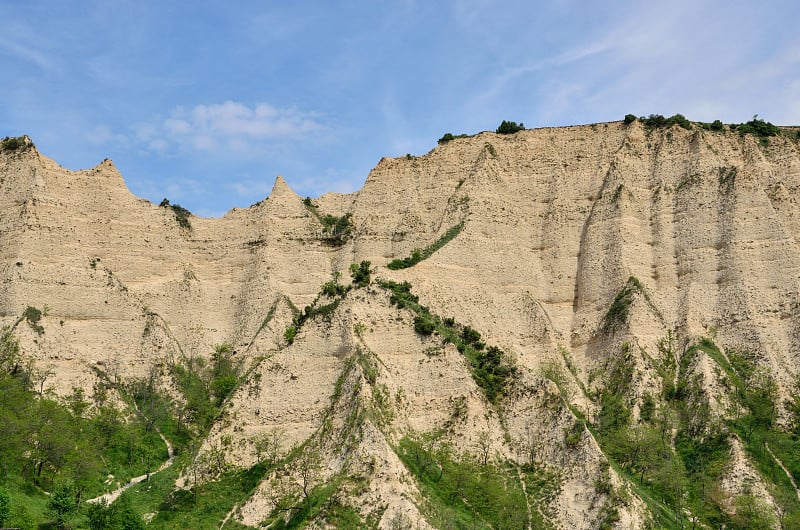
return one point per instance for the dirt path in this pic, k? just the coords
(114, 495)
(791, 479)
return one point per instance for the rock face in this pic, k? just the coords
(555, 224)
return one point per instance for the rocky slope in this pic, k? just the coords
(581, 253)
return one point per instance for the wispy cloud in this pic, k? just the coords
(230, 126)
(26, 53)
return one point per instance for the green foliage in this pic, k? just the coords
(617, 314)
(289, 334)
(448, 137)
(118, 516)
(509, 127)
(56, 445)
(424, 324)
(461, 492)
(717, 126)
(629, 118)
(404, 263)
(11, 143)
(205, 505)
(225, 373)
(33, 316)
(62, 503)
(419, 255)
(760, 128)
(657, 121)
(492, 369)
(361, 274)
(205, 387)
(5, 505)
(574, 434)
(336, 230)
(332, 289)
(182, 215)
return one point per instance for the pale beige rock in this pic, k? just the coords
(555, 222)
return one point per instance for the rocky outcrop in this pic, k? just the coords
(556, 223)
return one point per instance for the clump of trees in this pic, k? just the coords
(678, 448)
(509, 127)
(53, 444)
(757, 127)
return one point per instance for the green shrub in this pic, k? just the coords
(629, 118)
(717, 125)
(762, 129)
(13, 143)
(509, 127)
(333, 289)
(361, 274)
(290, 334)
(657, 121)
(33, 316)
(448, 136)
(181, 214)
(424, 324)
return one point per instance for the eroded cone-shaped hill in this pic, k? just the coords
(611, 265)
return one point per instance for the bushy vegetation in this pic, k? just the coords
(182, 215)
(677, 450)
(11, 143)
(336, 230)
(33, 316)
(509, 127)
(492, 369)
(418, 255)
(657, 121)
(760, 128)
(54, 445)
(331, 293)
(462, 491)
(617, 314)
(449, 136)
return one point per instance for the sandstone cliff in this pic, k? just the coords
(694, 232)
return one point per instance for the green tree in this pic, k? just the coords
(510, 127)
(62, 503)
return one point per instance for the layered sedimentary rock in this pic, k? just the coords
(702, 226)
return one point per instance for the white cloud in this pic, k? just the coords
(230, 125)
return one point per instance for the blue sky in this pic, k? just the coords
(206, 102)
